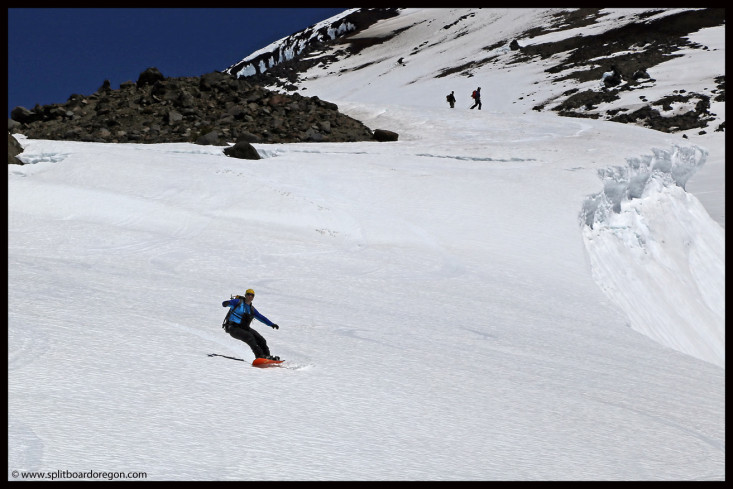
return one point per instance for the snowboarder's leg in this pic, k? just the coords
(246, 335)
(261, 342)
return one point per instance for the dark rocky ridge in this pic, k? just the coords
(215, 108)
(309, 40)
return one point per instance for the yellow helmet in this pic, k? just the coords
(249, 291)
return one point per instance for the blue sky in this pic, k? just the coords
(53, 53)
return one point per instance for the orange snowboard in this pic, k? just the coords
(264, 362)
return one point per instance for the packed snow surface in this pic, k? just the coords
(437, 298)
(499, 295)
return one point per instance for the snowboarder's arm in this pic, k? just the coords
(261, 318)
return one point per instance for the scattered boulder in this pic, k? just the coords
(14, 149)
(277, 99)
(210, 138)
(23, 115)
(216, 81)
(611, 78)
(385, 135)
(106, 86)
(640, 74)
(312, 134)
(174, 116)
(242, 150)
(248, 137)
(149, 77)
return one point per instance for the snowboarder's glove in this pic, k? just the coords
(275, 326)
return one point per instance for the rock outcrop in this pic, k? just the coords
(215, 109)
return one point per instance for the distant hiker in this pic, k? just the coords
(451, 99)
(476, 95)
(237, 321)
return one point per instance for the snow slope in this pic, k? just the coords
(437, 306)
(446, 311)
(415, 65)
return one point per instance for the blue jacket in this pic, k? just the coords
(241, 310)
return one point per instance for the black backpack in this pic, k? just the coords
(225, 323)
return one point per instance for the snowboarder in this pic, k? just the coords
(451, 99)
(476, 95)
(237, 321)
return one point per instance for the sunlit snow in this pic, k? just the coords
(499, 295)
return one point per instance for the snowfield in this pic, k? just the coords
(437, 298)
(498, 295)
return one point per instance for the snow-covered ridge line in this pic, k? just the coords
(289, 47)
(657, 254)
